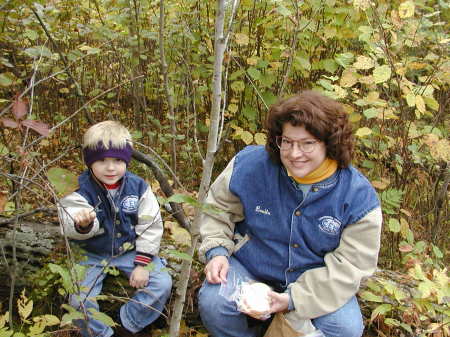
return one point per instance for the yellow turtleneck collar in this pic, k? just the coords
(324, 171)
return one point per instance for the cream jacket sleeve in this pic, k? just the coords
(323, 290)
(67, 208)
(149, 228)
(217, 228)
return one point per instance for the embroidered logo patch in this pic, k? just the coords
(130, 204)
(264, 211)
(329, 225)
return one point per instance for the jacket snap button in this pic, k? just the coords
(315, 189)
(119, 235)
(298, 213)
(117, 222)
(290, 270)
(295, 245)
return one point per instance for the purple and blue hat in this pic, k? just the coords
(100, 152)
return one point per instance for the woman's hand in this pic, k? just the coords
(217, 269)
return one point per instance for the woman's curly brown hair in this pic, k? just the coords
(321, 116)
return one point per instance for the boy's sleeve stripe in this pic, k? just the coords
(142, 259)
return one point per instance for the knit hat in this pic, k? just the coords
(100, 152)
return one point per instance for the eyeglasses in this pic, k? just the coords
(286, 144)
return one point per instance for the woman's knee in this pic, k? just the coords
(344, 322)
(210, 303)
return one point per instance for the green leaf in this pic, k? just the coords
(68, 318)
(5, 332)
(179, 255)
(238, 86)
(369, 296)
(437, 252)
(38, 51)
(6, 79)
(391, 321)
(249, 112)
(254, 73)
(283, 10)
(182, 198)
(382, 309)
(64, 181)
(344, 59)
(381, 74)
(102, 317)
(394, 225)
(371, 113)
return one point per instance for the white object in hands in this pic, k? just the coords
(255, 297)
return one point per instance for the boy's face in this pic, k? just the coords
(109, 170)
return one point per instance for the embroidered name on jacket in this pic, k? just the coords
(329, 225)
(265, 211)
(130, 204)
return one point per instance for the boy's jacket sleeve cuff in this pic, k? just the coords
(142, 259)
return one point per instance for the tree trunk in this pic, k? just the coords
(220, 46)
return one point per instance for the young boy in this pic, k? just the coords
(115, 218)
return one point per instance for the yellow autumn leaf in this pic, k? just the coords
(25, 308)
(404, 227)
(340, 92)
(275, 65)
(387, 114)
(348, 78)
(246, 137)
(364, 63)
(413, 132)
(441, 151)
(252, 60)
(4, 319)
(381, 74)
(406, 9)
(363, 132)
(416, 65)
(355, 117)
(362, 4)
(241, 39)
(439, 148)
(181, 236)
(260, 138)
(372, 97)
(410, 99)
(420, 104)
(232, 108)
(431, 103)
(381, 185)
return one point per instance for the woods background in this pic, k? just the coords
(193, 80)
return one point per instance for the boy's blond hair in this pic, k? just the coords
(107, 133)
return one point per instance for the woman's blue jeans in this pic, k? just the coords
(222, 319)
(140, 311)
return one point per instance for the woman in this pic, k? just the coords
(297, 216)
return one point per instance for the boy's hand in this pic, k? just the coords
(84, 217)
(139, 277)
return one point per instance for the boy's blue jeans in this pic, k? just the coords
(222, 319)
(145, 306)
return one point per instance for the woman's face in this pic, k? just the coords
(296, 161)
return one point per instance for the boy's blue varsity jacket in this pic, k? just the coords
(132, 216)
